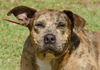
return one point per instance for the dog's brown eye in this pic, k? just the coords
(39, 24)
(61, 25)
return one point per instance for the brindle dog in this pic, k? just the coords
(57, 41)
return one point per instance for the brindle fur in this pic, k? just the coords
(75, 48)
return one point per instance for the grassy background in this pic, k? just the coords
(12, 36)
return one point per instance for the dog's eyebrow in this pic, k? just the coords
(9, 20)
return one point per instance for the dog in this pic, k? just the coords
(57, 40)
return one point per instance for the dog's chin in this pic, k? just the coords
(52, 49)
(54, 52)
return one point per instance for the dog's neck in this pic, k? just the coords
(44, 61)
(43, 64)
(51, 62)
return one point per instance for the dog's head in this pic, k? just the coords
(50, 30)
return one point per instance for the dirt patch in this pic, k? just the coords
(95, 5)
(85, 0)
(91, 3)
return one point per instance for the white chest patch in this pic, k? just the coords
(43, 64)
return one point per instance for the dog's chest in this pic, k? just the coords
(43, 64)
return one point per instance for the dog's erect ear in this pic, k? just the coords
(77, 22)
(23, 13)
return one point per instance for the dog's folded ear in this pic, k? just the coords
(77, 22)
(23, 13)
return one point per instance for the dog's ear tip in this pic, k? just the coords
(67, 11)
(9, 13)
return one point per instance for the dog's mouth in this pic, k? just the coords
(52, 49)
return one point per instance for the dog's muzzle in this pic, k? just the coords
(49, 39)
(50, 44)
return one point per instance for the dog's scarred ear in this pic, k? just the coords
(23, 13)
(77, 22)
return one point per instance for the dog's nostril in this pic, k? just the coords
(52, 39)
(49, 39)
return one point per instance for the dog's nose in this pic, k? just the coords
(49, 39)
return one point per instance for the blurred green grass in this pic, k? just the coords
(12, 36)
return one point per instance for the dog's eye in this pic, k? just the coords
(61, 25)
(39, 24)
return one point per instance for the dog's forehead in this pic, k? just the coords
(48, 11)
(50, 14)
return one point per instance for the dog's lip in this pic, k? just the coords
(51, 49)
(56, 53)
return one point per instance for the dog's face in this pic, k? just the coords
(50, 30)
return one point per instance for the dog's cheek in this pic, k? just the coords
(34, 36)
(36, 30)
(62, 39)
(38, 38)
(63, 35)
